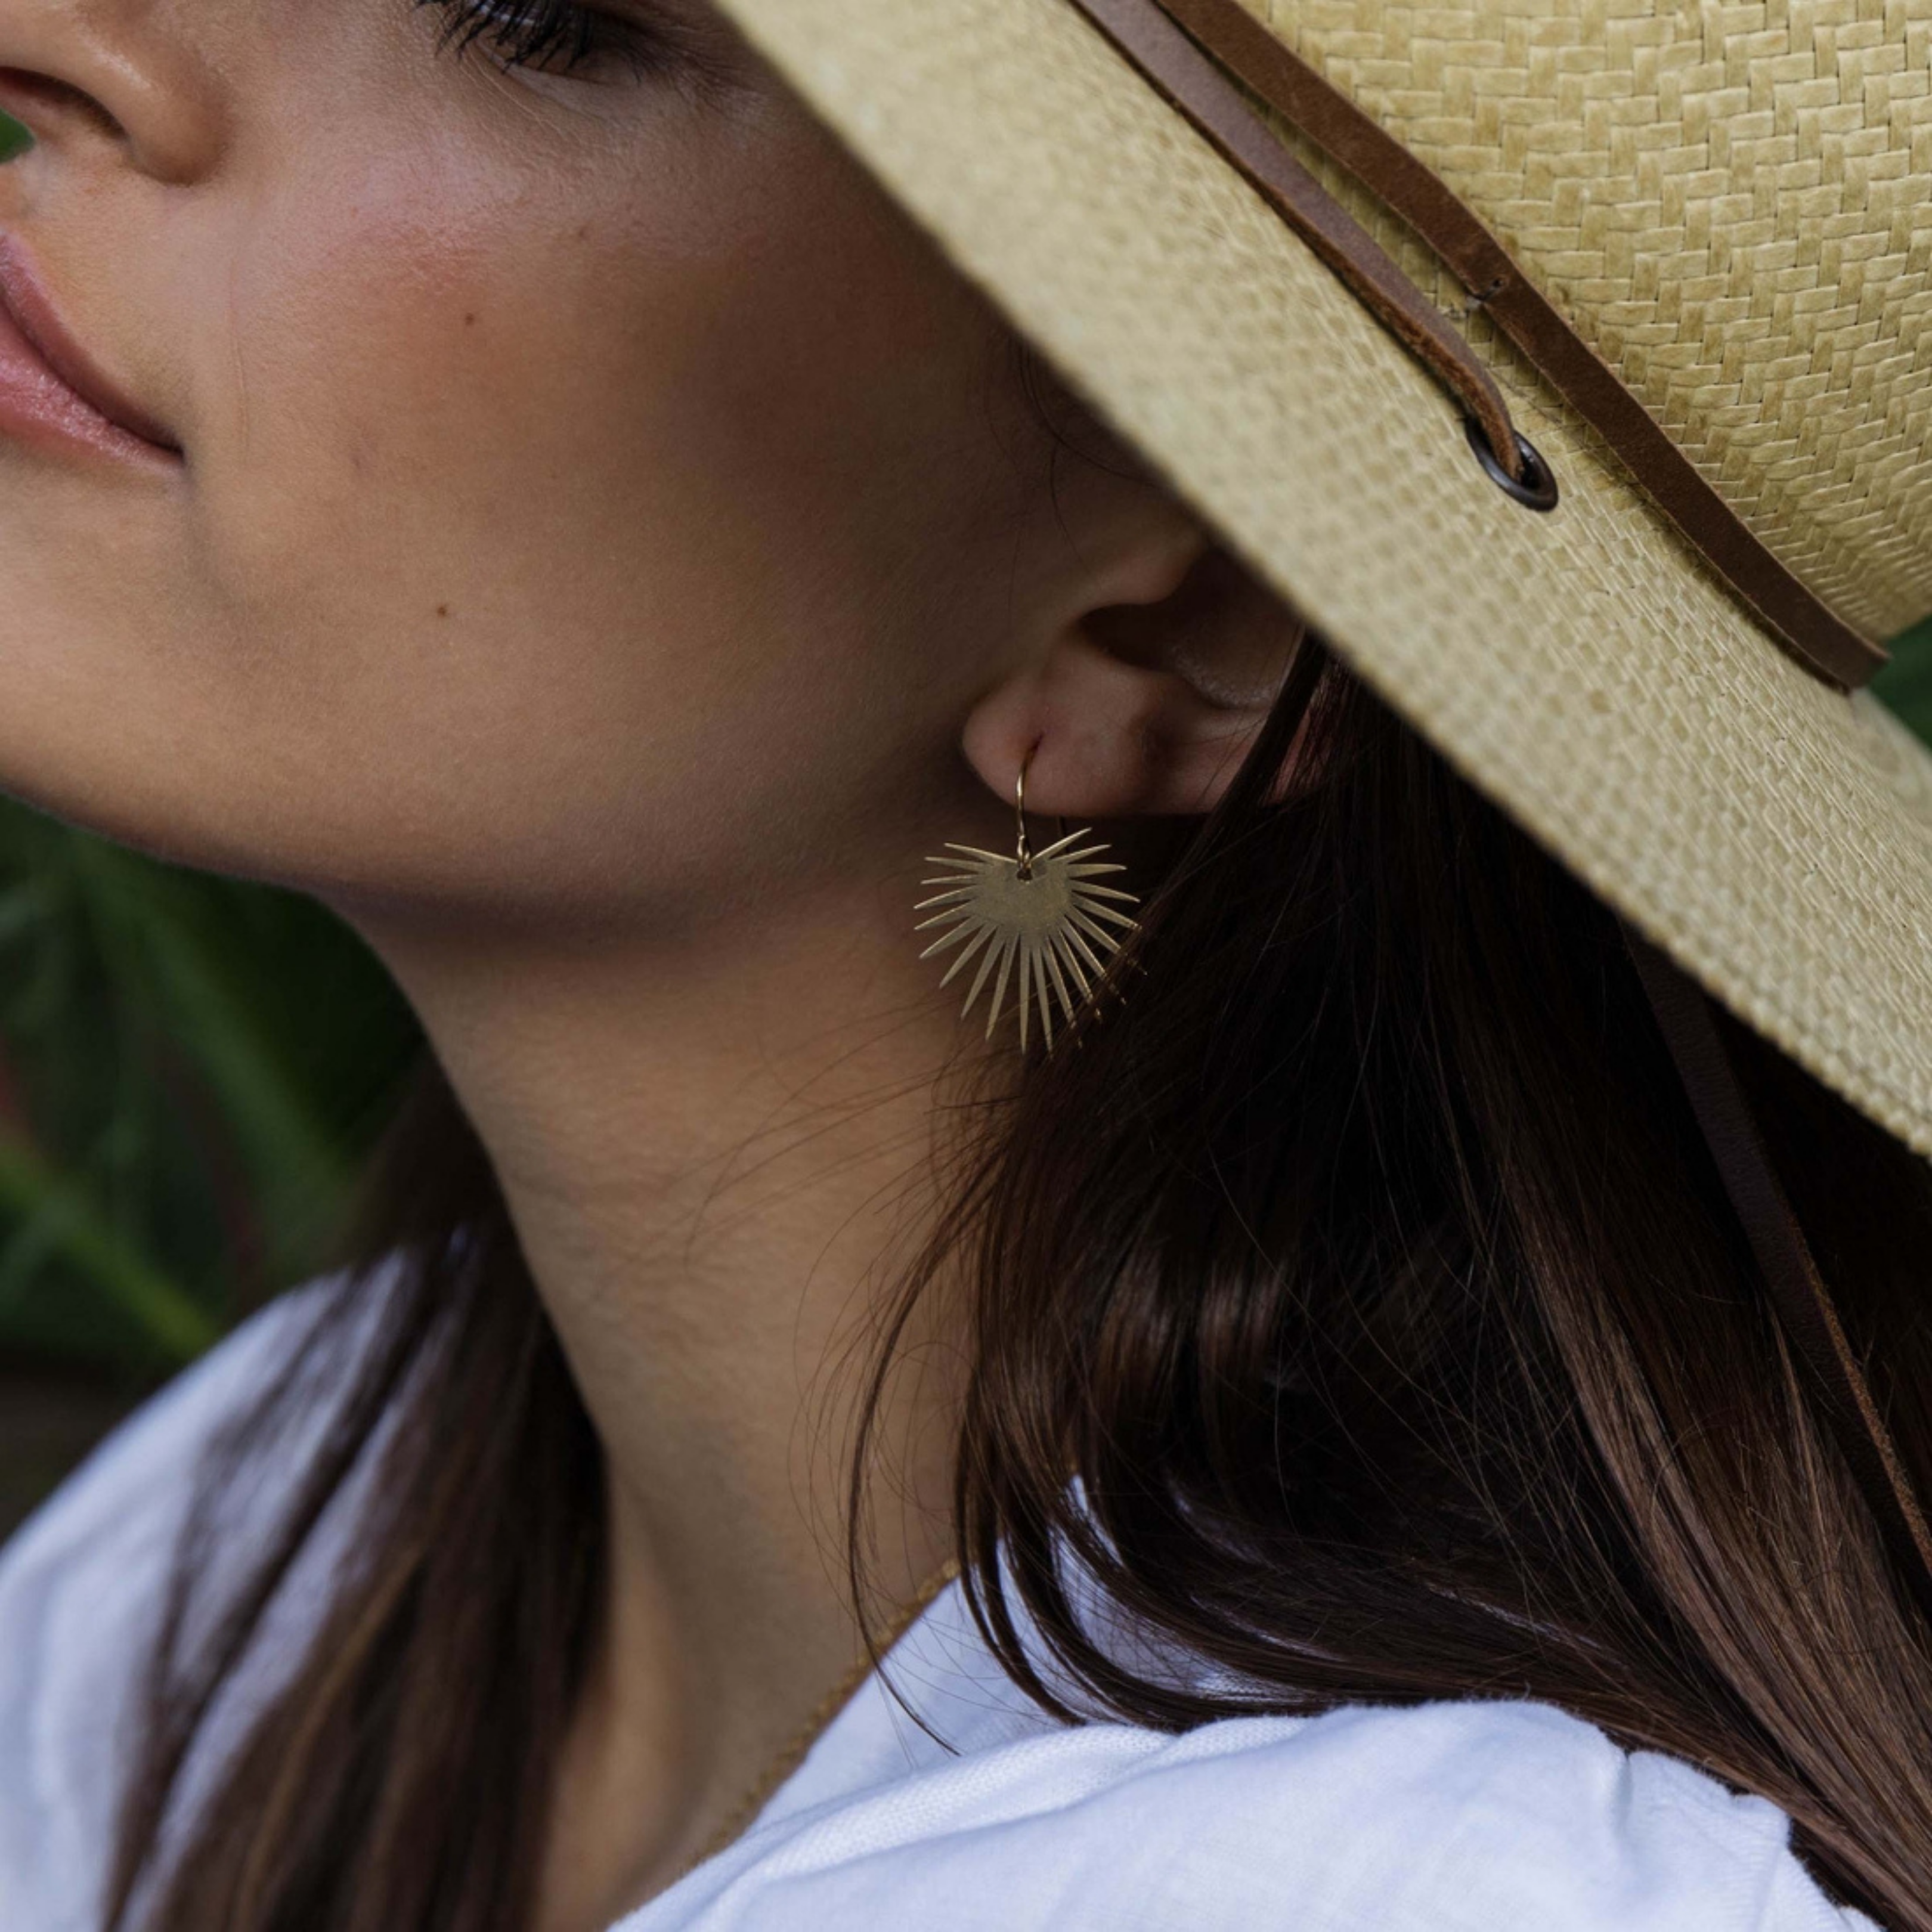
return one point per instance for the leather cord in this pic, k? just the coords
(1194, 51)
(1196, 84)
(1784, 1258)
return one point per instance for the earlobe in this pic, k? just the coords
(1144, 709)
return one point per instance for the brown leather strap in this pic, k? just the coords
(1784, 1258)
(1199, 87)
(1222, 38)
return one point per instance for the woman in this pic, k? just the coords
(1428, 1410)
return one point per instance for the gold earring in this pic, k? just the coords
(1038, 910)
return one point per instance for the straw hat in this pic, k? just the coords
(1728, 206)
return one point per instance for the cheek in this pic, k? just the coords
(567, 520)
(597, 526)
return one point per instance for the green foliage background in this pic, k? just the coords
(192, 1072)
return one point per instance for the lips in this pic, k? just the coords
(26, 305)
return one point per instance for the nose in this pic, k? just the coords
(121, 72)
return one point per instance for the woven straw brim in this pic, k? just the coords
(1582, 667)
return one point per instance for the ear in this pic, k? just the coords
(1146, 704)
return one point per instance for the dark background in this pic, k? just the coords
(192, 1072)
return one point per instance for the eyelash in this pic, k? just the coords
(557, 35)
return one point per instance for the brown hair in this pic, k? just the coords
(1366, 1266)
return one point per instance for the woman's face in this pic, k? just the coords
(591, 496)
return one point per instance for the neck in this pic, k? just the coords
(717, 1159)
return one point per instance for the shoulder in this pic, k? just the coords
(1447, 1817)
(81, 1588)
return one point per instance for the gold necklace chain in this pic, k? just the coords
(834, 1701)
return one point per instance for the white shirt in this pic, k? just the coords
(1454, 1816)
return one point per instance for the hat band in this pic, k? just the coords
(1188, 49)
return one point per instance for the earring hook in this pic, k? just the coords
(1019, 813)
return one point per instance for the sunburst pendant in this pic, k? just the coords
(1036, 923)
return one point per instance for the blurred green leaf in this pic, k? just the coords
(192, 1071)
(57, 1218)
(1905, 683)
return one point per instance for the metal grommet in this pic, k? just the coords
(1537, 489)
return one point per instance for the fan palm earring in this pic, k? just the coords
(1036, 921)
